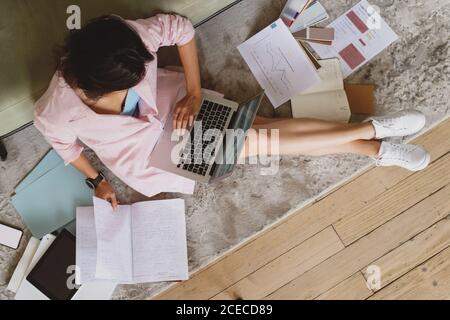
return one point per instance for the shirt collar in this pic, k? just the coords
(145, 91)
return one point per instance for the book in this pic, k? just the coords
(360, 98)
(326, 101)
(142, 242)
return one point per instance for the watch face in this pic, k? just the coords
(90, 184)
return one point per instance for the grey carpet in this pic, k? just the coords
(412, 73)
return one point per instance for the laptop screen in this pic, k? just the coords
(234, 138)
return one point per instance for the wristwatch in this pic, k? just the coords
(93, 183)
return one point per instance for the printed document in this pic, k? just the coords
(279, 64)
(360, 35)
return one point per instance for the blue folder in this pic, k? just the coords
(48, 197)
(48, 163)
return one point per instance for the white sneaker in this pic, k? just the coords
(401, 124)
(408, 156)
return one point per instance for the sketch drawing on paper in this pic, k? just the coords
(275, 66)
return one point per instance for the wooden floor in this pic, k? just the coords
(389, 218)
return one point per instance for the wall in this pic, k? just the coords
(30, 29)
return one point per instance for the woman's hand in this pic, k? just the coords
(106, 192)
(186, 110)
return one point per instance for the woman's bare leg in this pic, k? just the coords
(298, 125)
(362, 147)
(312, 137)
(293, 143)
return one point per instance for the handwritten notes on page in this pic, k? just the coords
(143, 242)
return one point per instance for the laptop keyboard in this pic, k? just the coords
(213, 116)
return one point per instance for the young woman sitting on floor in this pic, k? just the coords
(109, 94)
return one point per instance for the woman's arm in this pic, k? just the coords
(83, 165)
(188, 107)
(104, 189)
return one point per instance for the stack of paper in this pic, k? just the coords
(144, 242)
(299, 16)
(24, 290)
(314, 14)
(46, 199)
(292, 10)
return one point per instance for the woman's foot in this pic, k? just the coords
(408, 156)
(401, 124)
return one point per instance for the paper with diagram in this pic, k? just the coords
(360, 35)
(143, 242)
(279, 64)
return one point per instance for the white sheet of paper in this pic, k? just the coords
(26, 290)
(159, 241)
(331, 76)
(22, 266)
(144, 242)
(86, 260)
(360, 35)
(114, 247)
(97, 290)
(86, 245)
(328, 100)
(278, 63)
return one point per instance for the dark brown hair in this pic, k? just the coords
(104, 56)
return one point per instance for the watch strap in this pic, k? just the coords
(94, 183)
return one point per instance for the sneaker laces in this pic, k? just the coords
(397, 152)
(387, 123)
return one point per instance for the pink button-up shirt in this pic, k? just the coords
(123, 143)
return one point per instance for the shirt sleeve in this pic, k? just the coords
(60, 138)
(166, 30)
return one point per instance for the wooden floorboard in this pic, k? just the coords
(283, 269)
(217, 279)
(413, 252)
(369, 248)
(431, 280)
(405, 194)
(353, 288)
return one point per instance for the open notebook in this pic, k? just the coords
(143, 242)
(326, 101)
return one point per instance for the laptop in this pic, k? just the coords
(210, 150)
